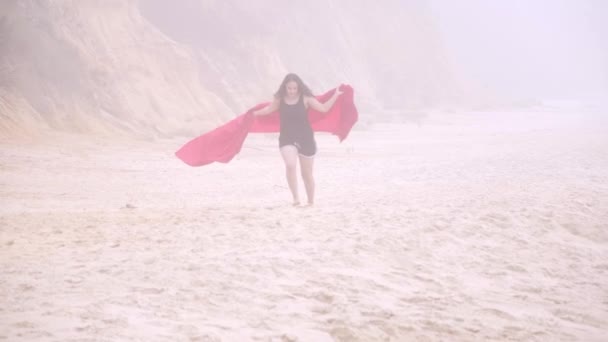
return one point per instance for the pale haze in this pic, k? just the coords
(536, 49)
(469, 202)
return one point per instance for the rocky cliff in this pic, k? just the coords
(156, 68)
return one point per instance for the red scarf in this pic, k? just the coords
(225, 142)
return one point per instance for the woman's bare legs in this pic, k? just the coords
(290, 157)
(306, 166)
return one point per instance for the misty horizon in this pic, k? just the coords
(148, 67)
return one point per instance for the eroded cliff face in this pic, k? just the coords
(155, 69)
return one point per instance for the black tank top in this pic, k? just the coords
(294, 120)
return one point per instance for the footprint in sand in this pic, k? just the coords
(147, 290)
(498, 313)
(499, 220)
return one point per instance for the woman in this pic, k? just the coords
(296, 138)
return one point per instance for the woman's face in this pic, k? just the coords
(292, 88)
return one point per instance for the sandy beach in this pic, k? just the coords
(460, 227)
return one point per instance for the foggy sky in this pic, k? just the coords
(528, 48)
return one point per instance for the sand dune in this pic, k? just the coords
(467, 227)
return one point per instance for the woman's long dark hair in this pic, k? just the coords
(302, 88)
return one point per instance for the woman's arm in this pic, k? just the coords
(323, 107)
(273, 106)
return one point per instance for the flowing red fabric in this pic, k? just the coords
(225, 142)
